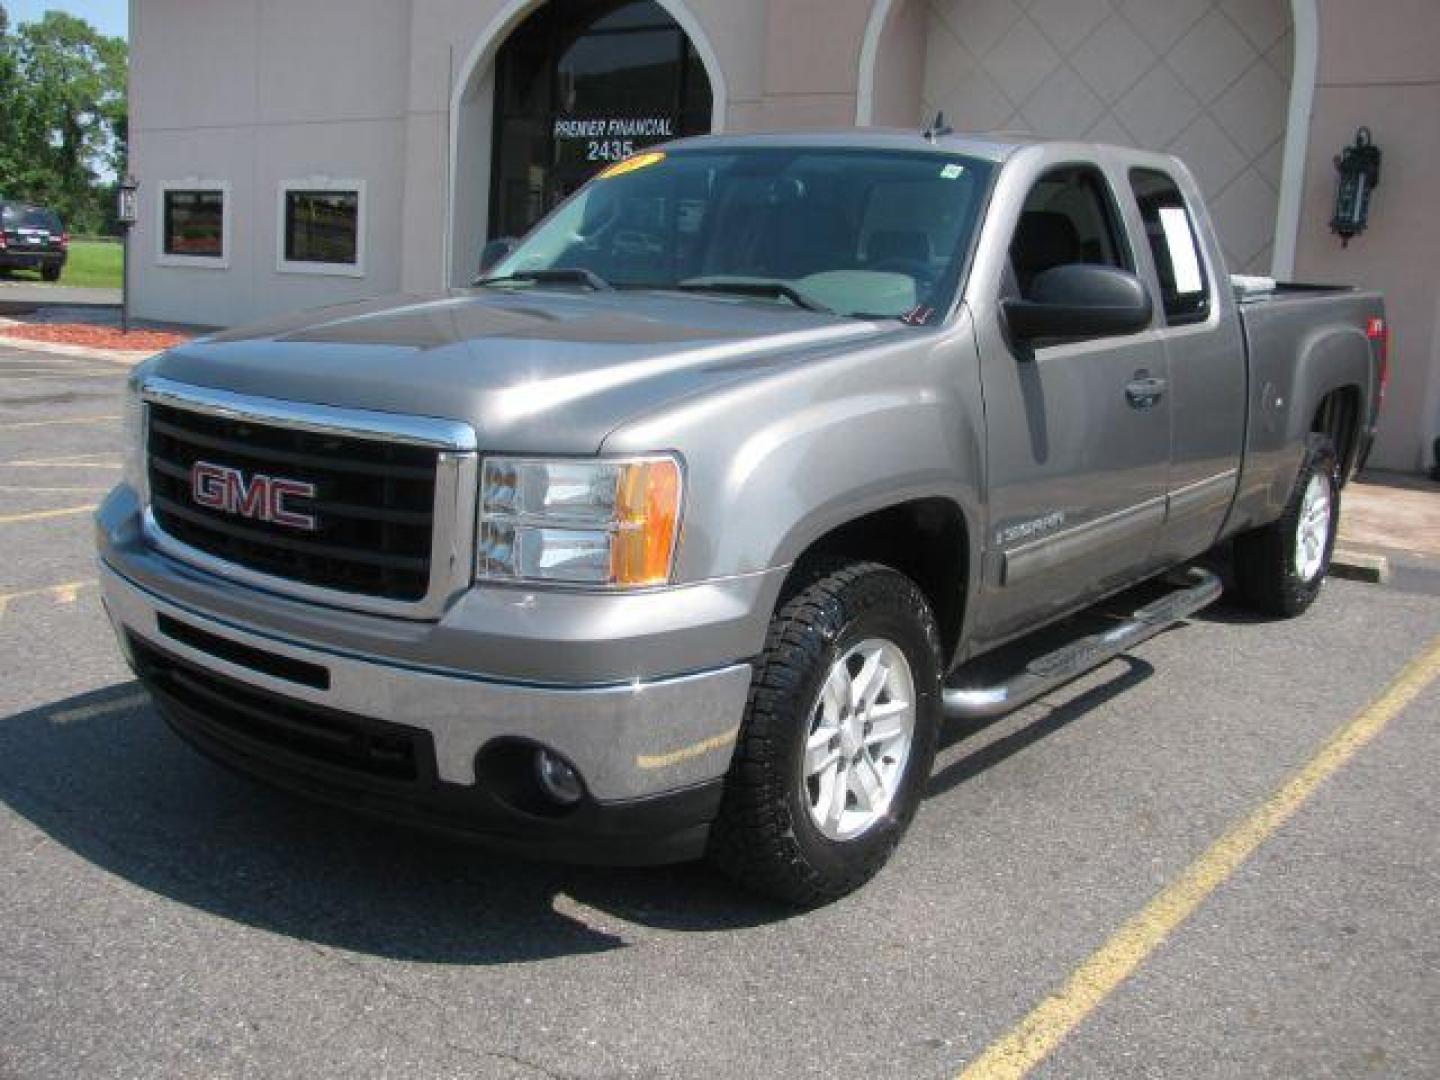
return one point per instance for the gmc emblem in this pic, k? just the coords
(261, 498)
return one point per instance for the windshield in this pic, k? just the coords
(866, 233)
(29, 217)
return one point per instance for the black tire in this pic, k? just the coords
(50, 273)
(764, 837)
(1266, 577)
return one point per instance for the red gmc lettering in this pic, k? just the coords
(261, 498)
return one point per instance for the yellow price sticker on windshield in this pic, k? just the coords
(630, 164)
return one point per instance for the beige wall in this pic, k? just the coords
(237, 93)
(1380, 66)
(1206, 79)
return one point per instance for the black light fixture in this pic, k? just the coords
(1359, 168)
(125, 214)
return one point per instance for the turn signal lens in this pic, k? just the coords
(647, 516)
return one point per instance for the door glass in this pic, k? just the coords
(1068, 217)
(1173, 245)
(580, 85)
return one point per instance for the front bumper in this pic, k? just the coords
(333, 727)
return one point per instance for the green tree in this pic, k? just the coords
(62, 97)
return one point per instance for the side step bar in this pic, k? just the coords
(1199, 588)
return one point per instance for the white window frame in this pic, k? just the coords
(196, 262)
(324, 269)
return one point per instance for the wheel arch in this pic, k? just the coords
(1338, 415)
(927, 538)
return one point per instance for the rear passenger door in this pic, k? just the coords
(1077, 456)
(1206, 356)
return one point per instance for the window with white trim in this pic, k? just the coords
(322, 227)
(194, 224)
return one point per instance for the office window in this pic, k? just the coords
(194, 223)
(322, 227)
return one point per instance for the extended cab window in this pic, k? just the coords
(1184, 291)
(1068, 217)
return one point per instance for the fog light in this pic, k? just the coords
(558, 778)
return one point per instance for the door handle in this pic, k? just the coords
(1144, 390)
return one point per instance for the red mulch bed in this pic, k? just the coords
(95, 337)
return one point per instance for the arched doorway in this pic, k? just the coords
(578, 86)
(555, 91)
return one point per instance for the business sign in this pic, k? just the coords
(614, 138)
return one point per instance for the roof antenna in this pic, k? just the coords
(938, 127)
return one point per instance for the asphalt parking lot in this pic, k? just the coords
(163, 917)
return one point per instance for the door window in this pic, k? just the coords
(1174, 245)
(1069, 217)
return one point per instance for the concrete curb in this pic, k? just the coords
(1360, 566)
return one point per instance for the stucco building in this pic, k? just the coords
(293, 153)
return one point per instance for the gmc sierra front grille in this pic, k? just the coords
(356, 514)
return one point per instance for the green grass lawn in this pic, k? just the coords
(93, 264)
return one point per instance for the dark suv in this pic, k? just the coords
(32, 238)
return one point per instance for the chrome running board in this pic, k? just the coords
(1199, 588)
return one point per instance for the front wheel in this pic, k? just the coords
(1280, 567)
(838, 738)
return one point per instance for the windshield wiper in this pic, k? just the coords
(556, 275)
(762, 287)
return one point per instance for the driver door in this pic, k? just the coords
(1078, 434)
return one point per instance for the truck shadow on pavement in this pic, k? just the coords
(950, 774)
(102, 775)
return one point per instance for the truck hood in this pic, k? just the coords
(540, 371)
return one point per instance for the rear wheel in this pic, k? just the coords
(50, 273)
(1280, 567)
(838, 738)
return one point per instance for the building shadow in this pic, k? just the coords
(102, 775)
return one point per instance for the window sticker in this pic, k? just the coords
(952, 172)
(1181, 242)
(630, 164)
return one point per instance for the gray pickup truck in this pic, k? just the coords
(680, 532)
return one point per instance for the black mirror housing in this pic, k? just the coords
(1078, 301)
(494, 251)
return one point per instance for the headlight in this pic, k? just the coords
(581, 522)
(134, 420)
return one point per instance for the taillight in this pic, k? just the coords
(1379, 333)
(64, 239)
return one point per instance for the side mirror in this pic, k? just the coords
(496, 250)
(1079, 301)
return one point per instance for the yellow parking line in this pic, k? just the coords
(132, 700)
(29, 490)
(4, 379)
(53, 423)
(41, 515)
(71, 462)
(1035, 1037)
(67, 592)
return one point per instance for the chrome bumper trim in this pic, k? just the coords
(628, 740)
